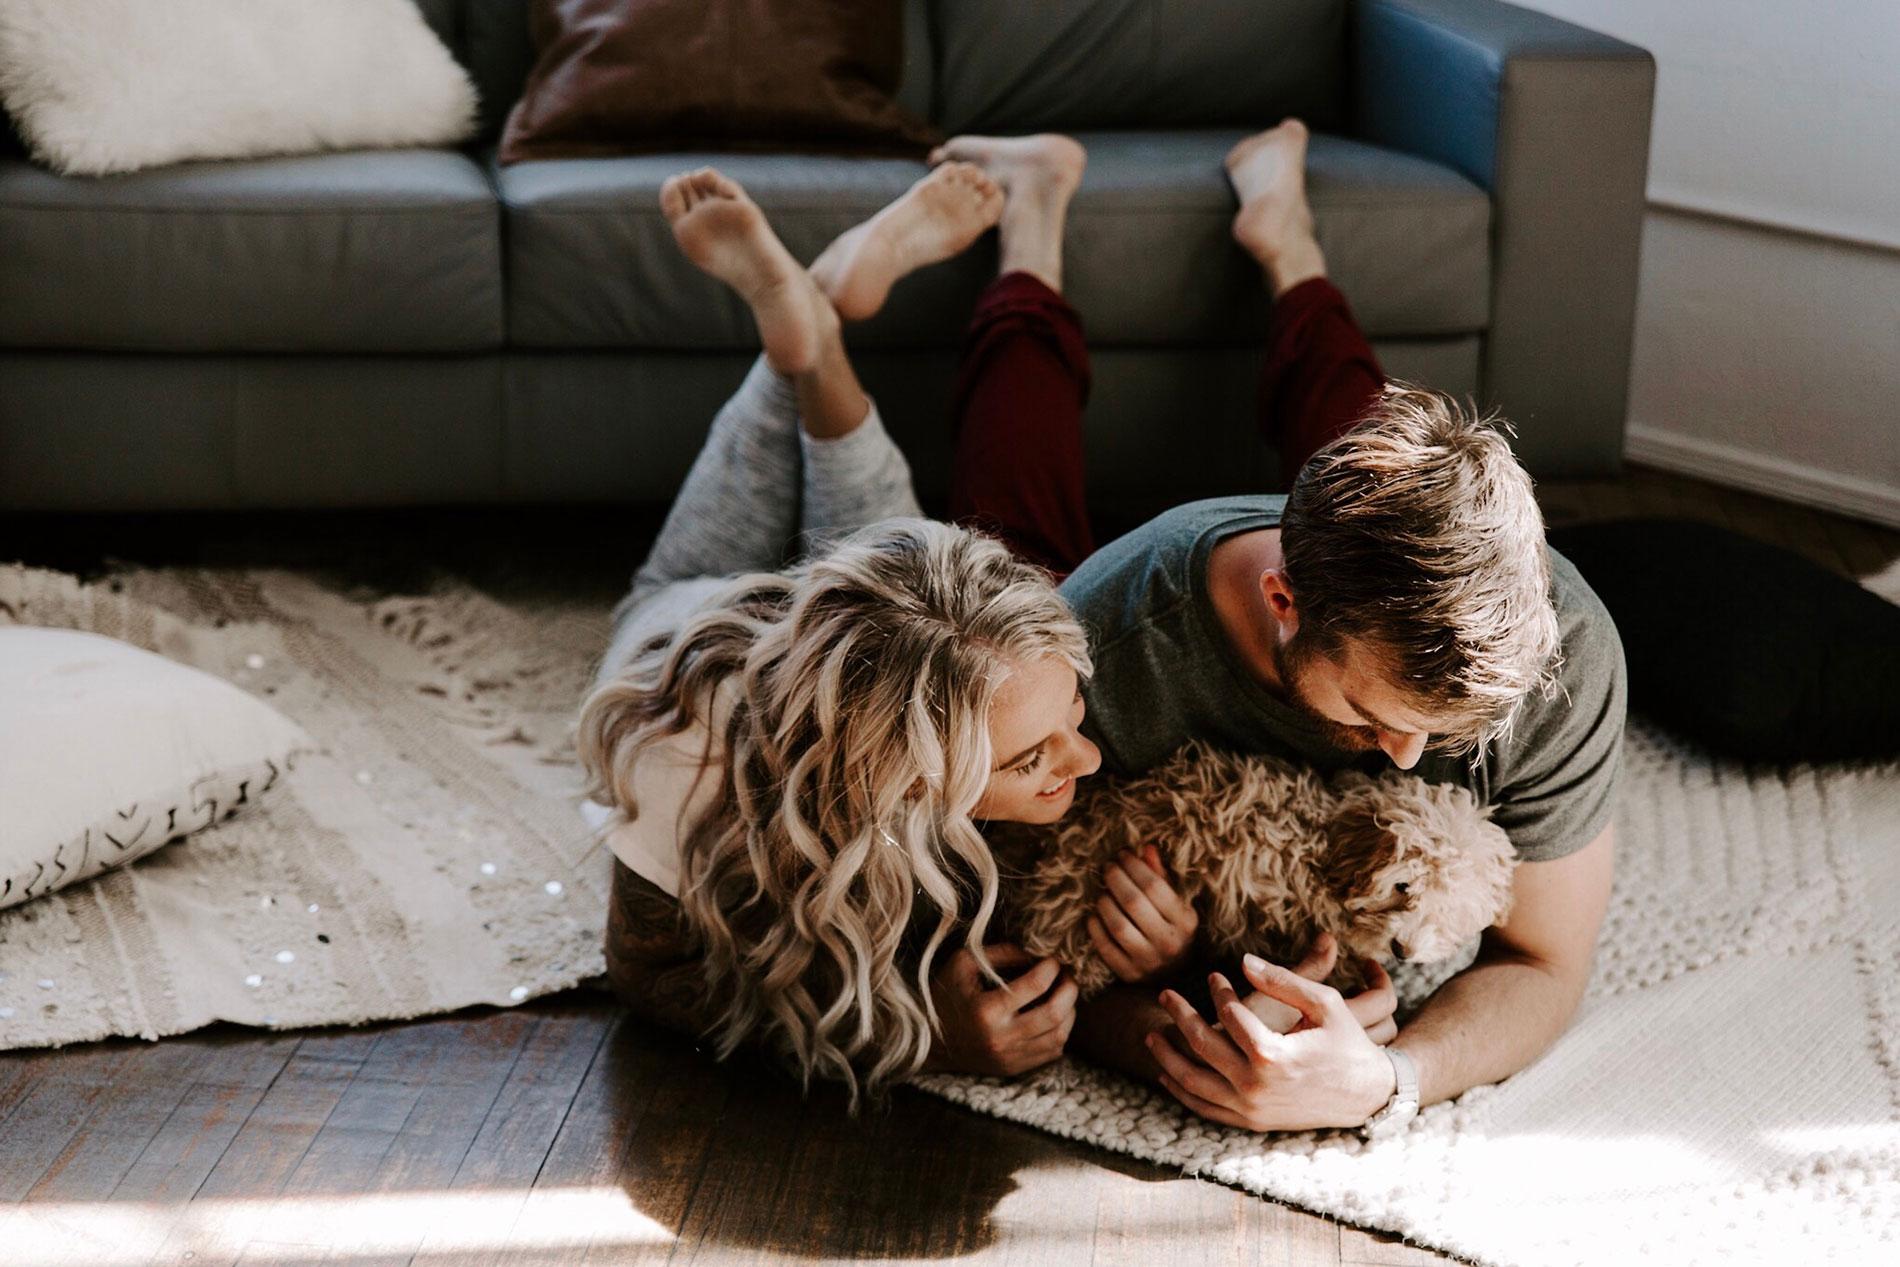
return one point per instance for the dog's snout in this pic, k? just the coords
(1398, 950)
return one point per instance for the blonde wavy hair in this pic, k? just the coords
(839, 855)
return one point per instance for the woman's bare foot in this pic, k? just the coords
(725, 234)
(1275, 224)
(1039, 175)
(936, 218)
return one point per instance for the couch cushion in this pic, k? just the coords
(377, 252)
(592, 263)
(1011, 66)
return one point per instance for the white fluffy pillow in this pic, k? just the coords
(101, 86)
(108, 752)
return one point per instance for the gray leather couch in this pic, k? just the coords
(425, 327)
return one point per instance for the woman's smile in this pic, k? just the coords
(1059, 790)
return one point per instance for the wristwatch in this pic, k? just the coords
(1403, 1106)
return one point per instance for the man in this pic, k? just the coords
(1399, 608)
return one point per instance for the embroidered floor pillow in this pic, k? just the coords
(108, 752)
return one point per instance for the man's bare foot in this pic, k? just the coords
(725, 234)
(1039, 175)
(1275, 224)
(936, 218)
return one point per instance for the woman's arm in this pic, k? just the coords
(648, 960)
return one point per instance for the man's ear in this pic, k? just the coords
(1280, 605)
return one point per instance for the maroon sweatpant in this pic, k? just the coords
(1024, 379)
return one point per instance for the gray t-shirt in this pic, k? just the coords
(1165, 674)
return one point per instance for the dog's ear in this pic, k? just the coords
(1359, 846)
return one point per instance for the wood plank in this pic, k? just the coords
(54, 1109)
(729, 1217)
(1153, 1215)
(515, 1136)
(349, 1149)
(1865, 549)
(230, 1076)
(265, 1151)
(673, 1094)
(1699, 500)
(1652, 494)
(922, 1178)
(129, 1114)
(19, 1071)
(632, 1176)
(1359, 1247)
(469, 1061)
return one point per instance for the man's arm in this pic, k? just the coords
(1483, 1025)
(1500, 1014)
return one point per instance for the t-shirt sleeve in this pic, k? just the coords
(1559, 770)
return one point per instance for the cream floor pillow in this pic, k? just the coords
(102, 86)
(108, 752)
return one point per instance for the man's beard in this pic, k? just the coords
(1290, 660)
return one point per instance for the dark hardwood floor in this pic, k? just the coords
(560, 1132)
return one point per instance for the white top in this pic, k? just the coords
(674, 782)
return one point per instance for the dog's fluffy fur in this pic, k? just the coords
(1271, 855)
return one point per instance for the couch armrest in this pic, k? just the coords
(1554, 120)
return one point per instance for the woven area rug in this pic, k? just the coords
(429, 858)
(1730, 1091)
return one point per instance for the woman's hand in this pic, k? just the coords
(1327, 1072)
(1372, 1007)
(1002, 1031)
(1142, 928)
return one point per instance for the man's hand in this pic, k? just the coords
(1142, 928)
(1327, 1072)
(1373, 1007)
(983, 1028)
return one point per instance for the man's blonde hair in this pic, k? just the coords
(1416, 536)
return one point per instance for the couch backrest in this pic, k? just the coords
(1022, 65)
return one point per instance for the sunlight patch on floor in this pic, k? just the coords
(122, 1234)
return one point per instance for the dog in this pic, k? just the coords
(1271, 855)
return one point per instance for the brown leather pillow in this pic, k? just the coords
(637, 76)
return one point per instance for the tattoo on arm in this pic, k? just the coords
(650, 959)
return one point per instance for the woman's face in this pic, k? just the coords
(1040, 753)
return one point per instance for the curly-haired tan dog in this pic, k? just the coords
(1271, 855)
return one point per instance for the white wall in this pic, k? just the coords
(1768, 323)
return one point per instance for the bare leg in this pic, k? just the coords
(938, 217)
(1275, 224)
(723, 231)
(1039, 175)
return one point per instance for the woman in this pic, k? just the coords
(798, 757)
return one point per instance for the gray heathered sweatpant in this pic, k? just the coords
(759, 487)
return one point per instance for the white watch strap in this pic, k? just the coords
(1407, 1075)
(1403, 1106)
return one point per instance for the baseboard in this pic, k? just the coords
(1762, 473)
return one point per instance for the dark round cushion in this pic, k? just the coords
(1749, 649)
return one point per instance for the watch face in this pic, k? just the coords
(1391, 1120)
